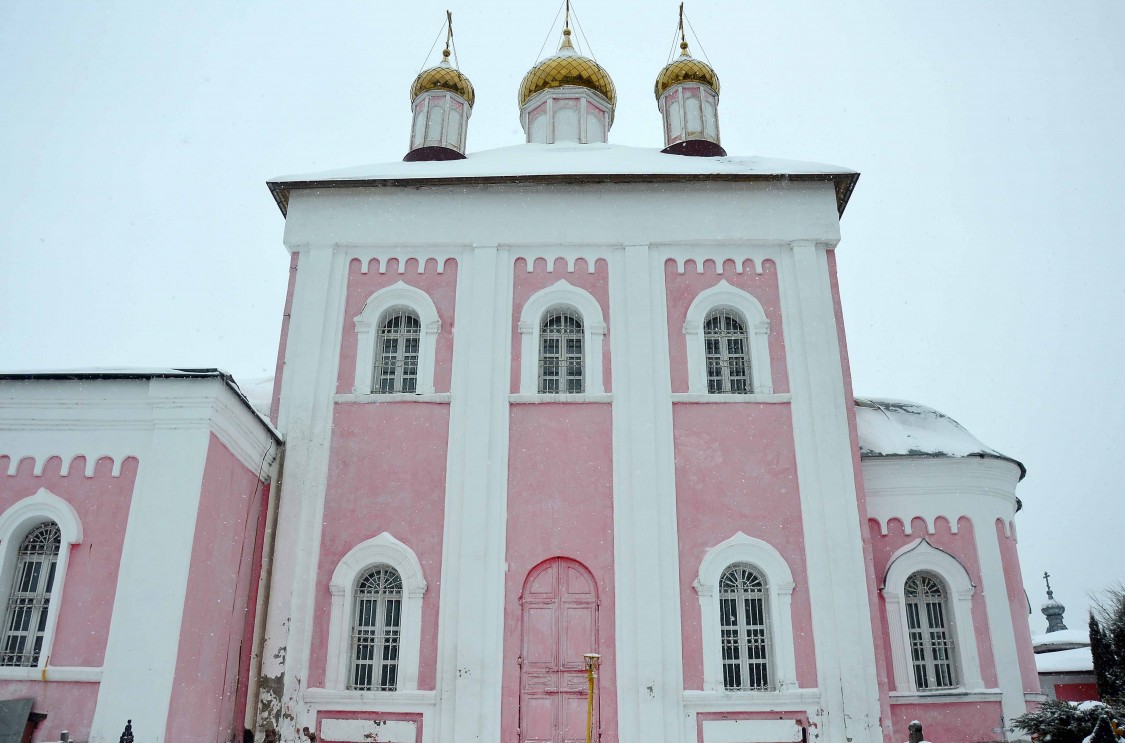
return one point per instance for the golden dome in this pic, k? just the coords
(443, 77)
(567, 67)
(685, 69)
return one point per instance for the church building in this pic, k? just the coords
(557, 417)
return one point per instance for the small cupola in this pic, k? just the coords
(567, 97)
(687, 94)
(442, 102)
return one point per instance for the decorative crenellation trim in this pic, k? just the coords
(718, 263)
(66, 459)
(414, 262)
(591, 256)
(930, 520)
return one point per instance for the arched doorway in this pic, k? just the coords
(560, 623)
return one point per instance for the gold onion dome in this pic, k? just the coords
(443, 77)
(567, 67)
(685, 69)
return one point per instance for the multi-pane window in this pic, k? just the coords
(25, 621)
(728, 352)
(396, 363)
(931, 642)
(376, 630)
(561, 359)
(744, 630)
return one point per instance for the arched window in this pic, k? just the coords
(931, 642)
(25, 621)
(400, 340)
(728, 352)
(561, 356)
(744, 630)
(376, 629)
(929, 595)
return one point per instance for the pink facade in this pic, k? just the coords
(402, 491)
(1017, 601)
(735, 467)
(962, 546)
(527, 282)
(683, 288)
(365, 280)
(102, 504)
(559, 507)
(960, 722)
(216, 607)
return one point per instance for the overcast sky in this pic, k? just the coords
(982, 263)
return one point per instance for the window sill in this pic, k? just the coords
(51, 673)
(943, 696)
(524, 398)
(346, 700)
(368, 397)
(747, 701)
(780, 397)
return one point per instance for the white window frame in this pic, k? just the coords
(15, 524)
(381, 550)
(921, 556)
(367, 325)
(561, 294)
(720, 296)
(779, 600)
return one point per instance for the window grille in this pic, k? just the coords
(727, 348)
(396, 365)
(744, 630)
(30, 598)
(931, 643)
(561, 357)
(376, 630)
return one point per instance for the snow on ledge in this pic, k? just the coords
(897, 428)
(1065, 661)
(571, 159)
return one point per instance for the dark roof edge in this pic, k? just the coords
(868, 454)
(844, 182)
(140, 374)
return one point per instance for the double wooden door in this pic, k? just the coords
(560, 624)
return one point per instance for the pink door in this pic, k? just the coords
(560, 624)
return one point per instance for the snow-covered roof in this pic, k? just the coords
(1063, 639)
(125, 373)
(896, 428)
(1065, 661)
(570, 163)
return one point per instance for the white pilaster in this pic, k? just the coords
(471, 613)
(305, 417)
(995, 592)
(148, 606)
(646, 554)
(829, 501)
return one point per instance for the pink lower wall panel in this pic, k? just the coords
(102, 504)
(68, 705)
(961, 546)
(951, 722)
(736, 471)
(386, 473)
(560, 504)
(216, 606)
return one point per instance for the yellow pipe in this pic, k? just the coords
(592, 660)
